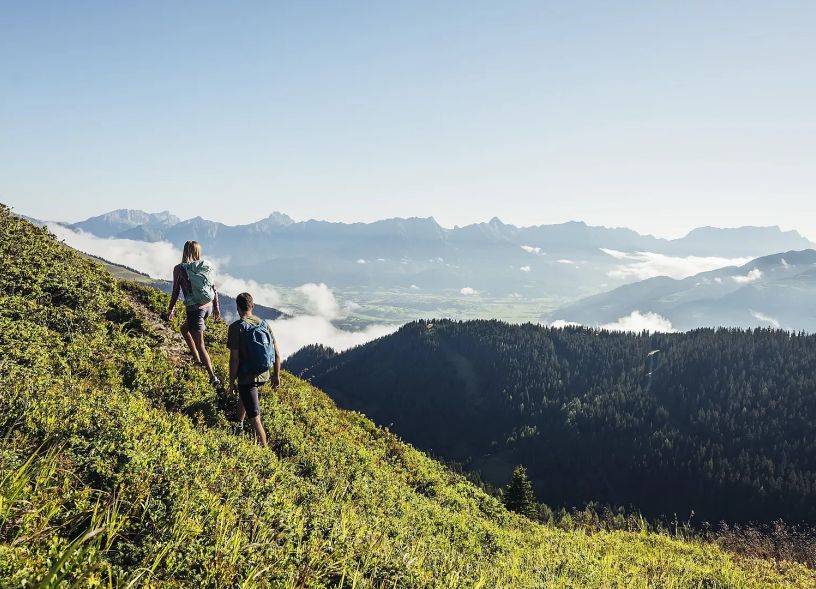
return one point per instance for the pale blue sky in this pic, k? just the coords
(656, 115)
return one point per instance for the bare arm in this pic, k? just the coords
(276, 374)
(174, 297)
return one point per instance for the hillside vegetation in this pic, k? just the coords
(719, 422)
(119, 467)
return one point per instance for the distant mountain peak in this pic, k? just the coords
(280, 218)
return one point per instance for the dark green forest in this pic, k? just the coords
(715, 422)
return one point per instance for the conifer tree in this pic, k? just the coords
(519, 496)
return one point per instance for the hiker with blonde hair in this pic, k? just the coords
(193, 277)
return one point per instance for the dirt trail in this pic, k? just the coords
(169, 338)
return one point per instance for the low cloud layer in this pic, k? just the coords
(760, 316)
(633, 322)
(319, 302)
(468, 291)
(752, 276)
(637, 322)
(643, 265)
(292, 334)
(155, 259)
(560, 324)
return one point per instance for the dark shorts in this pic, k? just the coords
(196, 316)
(249, 397)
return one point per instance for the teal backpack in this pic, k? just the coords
(202, 288)
(257, 348)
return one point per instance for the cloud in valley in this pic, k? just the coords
(637, 322)
(296, 332)
(643, 265)
(753, 275)
(561, 323)
(155, 259)
(759, 316)
(318, 300)
(532, 250)
(525, 268)
(468, 291)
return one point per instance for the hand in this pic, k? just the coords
(217, 315)
(169, 314)
(276, 381)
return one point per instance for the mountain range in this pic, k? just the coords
(777, 291)
(566, 261)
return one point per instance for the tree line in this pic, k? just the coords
(715, 421)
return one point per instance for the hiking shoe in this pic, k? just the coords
(214, 381)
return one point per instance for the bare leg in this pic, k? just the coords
(259, 430)
(185, 333)
(241, 411)
(198, 339)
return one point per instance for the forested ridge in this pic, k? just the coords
(719, 422)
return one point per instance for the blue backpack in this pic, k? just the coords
(257, 348)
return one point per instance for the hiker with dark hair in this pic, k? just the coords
(253, 353)
(194, 278)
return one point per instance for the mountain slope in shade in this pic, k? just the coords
(777, 291)
(714, 421)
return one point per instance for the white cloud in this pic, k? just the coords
(643, 265)
(753, 275)
(785, 263)
(570, 262)
(525, 268)
(532, 250)
(320, 300)
(637, 322)
(159, 259)
(263, 294)
(296, 332)
(467, 291)
(765, 319)
(561, 323)
(156, 259)
(361, 261)
(414, 287)
(617, 254)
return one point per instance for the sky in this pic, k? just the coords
(660, 116)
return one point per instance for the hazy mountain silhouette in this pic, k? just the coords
(494, 258)
(776, 291)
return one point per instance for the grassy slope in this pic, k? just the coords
(118, 466)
